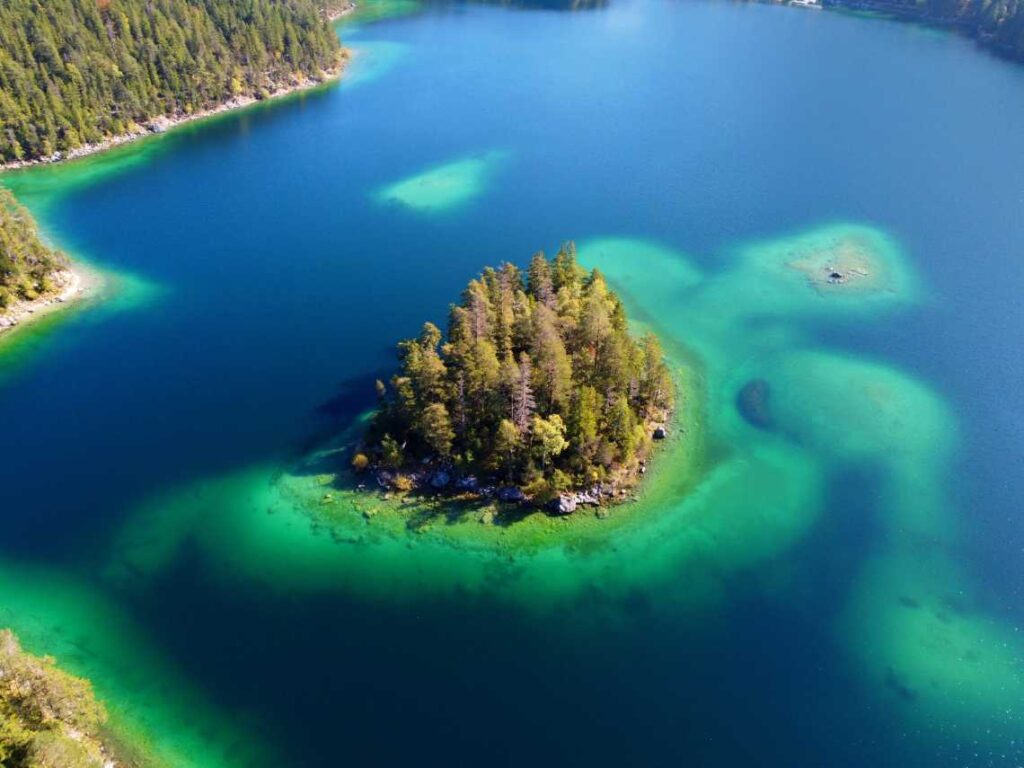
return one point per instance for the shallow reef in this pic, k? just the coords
(444, 187)
(724, 498)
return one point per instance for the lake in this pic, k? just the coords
(843, 589)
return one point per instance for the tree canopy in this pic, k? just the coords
(537, 382)
(48, 718)
(77, 71)
(26, 262)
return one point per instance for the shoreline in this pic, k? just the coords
(76, 283)
(159, 124)
(340, 13)
(344, 500)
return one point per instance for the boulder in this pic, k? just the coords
(660, 433)
(511, 495)
(565, 504)
(467, 483)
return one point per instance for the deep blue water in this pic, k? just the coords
(282, 282)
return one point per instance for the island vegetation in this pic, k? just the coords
(538, 392)
(29, 269)
(78, 72)
(48, 718)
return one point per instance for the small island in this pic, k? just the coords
(538, 394)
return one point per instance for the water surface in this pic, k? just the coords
(844, 590)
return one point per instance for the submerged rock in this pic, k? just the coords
(753, 403)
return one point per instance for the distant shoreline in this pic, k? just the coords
(163, 123)
(74, 284)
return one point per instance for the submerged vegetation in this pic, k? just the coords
(76, 72)
(48, 718)
(27, 264)
(538, 385)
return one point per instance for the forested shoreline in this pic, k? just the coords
(48, 718)
(79, 72)
(27, 264)
(996, 24)
(538, 386)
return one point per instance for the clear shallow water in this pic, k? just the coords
(846, 590)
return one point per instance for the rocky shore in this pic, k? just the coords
(72, 284)
(439, 479)
(163, 123)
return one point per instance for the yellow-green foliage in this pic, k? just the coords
(26, 262)
(76, 71)
(48, 718)
(538, 381)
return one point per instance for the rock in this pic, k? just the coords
(467, 483)
(590, 498)
(660, 433)
(753, 403)
(602, 514)
(511, 495)
(487, 518)
(565, 504)
(440, 479)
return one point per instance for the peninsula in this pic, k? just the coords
(34, 278)
(48, 718)
(537, 394)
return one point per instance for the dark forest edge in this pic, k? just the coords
(538, 394)
(996, 24)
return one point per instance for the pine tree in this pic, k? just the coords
(547, 390)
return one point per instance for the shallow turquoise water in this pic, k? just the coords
(860, 565)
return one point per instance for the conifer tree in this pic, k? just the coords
(539, 382)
